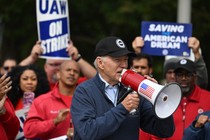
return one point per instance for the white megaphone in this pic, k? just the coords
(165, 99)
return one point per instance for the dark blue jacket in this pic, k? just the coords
(203, 133)
(96, 118)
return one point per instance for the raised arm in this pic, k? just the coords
(137, 44)
(32, 58)
(201, 69)
(8, 119)
(87, 69)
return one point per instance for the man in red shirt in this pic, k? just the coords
(183, 115)
(49, 115)
(195, 99)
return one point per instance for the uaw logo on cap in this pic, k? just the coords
(183, 61)
(120, 43)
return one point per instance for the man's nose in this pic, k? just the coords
(124, 64)
(173, 75)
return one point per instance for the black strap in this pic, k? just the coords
(129, 90)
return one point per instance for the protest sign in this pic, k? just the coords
(53, 27)
(166, 38)
(21, 114)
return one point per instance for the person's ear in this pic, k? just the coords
(100, 62)
(58, 74)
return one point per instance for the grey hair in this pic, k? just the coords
(95, 61)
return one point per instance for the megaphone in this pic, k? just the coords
(165, 99)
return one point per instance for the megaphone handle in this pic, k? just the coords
(129, 90)
(134, 110)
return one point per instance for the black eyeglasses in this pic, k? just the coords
(187, 75)
(6, 68)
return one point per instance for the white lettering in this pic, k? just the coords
(166, 28)
(55, 44)
(55, 28)
(165, 45)
(164, 38)
(151, 27)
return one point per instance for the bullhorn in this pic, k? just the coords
(165, 99)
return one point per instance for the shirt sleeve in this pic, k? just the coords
(35, 125)
(192, 133)
(9, 120)
(202, 73)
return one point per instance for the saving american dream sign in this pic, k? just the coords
(166, 38)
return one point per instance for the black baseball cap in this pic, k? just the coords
(112, 46)
(185, 64)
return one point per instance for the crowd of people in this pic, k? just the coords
(97, 105)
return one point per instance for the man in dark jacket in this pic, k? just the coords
(199, 129)
(96, 111)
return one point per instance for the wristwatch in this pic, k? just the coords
(78, 57)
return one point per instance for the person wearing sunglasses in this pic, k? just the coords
(195, 100)
(8, 65)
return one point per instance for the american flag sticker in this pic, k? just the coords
(147, 90)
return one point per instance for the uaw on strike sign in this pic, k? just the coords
(53, 27)
(166, 38)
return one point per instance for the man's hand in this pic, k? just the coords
(70, 133)
(201, 121)
(5, 85)
(150, 78)
(72, 51)
(131, 102)
(36, 50)
(137, 44)
(194, 44)
(61, 116)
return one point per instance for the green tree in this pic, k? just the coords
(90, 20)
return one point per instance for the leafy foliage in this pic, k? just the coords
(91, 20)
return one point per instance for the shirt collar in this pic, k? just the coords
(106, 83)
(195, 96)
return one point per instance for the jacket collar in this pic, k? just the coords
(195, 96)
(101, 85)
